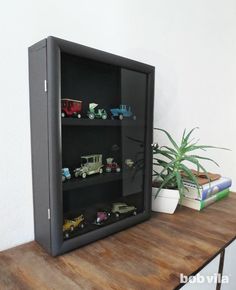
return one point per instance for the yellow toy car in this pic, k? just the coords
(71, 224)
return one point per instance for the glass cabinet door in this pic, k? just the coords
(104, 121)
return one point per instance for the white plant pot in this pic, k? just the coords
(166, 200)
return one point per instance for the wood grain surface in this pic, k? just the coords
(148, 256)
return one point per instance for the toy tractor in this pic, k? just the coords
(65, 173)
(98, 114)
(122, 111)
(71, 108)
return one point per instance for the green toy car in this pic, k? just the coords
(90, 164)
(119, 208)
(98, 114)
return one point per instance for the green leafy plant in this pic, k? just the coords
(172, 162)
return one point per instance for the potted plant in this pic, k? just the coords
(169, 166)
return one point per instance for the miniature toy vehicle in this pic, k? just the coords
(90, 164)
(99, 113)
(129, 162)
(102, 216)
(71, 108)
(71, 224)
(122, 111)
(65, 173)
(112, 166)
(119, 208)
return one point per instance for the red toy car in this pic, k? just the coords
(112, 166)
(102, 216)
(71, 108)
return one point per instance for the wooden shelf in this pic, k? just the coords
(90, 180)
(98, 122)
(91, 226)
(95, 179)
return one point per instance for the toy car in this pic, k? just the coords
(71, 108)
(102, 216)
(71, 224)
(119, 208)
(65, 173)
(112, 166)
(122, 111)
(99, 113)
(90, 164)
(129, 163)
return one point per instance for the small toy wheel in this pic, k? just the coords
(84, 175)
(108, 169)
(78, 116)
(91, 116)
(118, 169)
(135, 213)
(67, 235)
(104, 117)
(72, 228)
(63, 114)
(117, 214)
(121, 117)
(76, 174)
(100, 170)
(69, 177)
(82, 226)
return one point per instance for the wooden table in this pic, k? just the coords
(148, 256)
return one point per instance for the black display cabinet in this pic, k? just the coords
(111, 199)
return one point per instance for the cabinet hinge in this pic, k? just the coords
(45, 85)
(49, 214)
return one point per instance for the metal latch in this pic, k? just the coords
(45, 85)
(49, 214)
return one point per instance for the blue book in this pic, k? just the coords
(206, 190)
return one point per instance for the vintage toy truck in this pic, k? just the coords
(71, 224)
(98, 114)
(71, 108)
(90, 164)
(122, 111)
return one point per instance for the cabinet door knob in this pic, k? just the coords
(154, 145)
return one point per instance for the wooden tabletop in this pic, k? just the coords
(150, 255)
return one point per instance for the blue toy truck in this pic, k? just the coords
(65, 173)
(122, 111)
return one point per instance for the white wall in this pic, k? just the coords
(191, 43)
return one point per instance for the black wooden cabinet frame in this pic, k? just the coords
(45, 108)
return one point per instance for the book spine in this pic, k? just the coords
(214, 198)
(207, 192)
(192, 192)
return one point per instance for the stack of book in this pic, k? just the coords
(209, 192)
